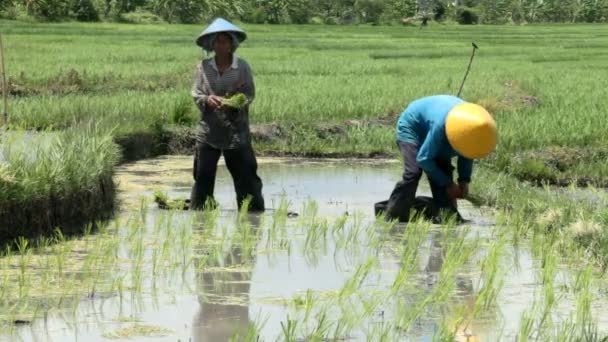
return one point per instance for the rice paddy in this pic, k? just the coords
(333, 272)
(318, 266)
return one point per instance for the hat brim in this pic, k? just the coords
(200, 41)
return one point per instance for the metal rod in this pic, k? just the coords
(475, 47)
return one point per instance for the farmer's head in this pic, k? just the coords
(224, 43)
(221, 36)
(471, 130)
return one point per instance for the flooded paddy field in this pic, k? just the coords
(316, 266)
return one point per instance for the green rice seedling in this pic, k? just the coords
(382, 331)
(307, 302)
(161, 197)
(339, 224)
(244, 210)
(236, 101)
(458, 253)
(350, 316)
(526, 326)
(411, 239)
(379, 233)
(279, 222)
(585, 296)
(143, 211)
(356, 228)
(444, 334)
(250, 336)
(289, 330)
(310, 210)
(316, 240)
(354, 283)
(372, 301)
(572, 332)
(549, 270)
(24, 261)
(490, 281)
(155, 258)
(4, 290)
(322, 328)
(210, 217)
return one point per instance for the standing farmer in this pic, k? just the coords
(224, 129)
(430, 132)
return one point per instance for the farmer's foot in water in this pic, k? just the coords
(456, 218)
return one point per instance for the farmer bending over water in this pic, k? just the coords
(224, 129)
(430, 132)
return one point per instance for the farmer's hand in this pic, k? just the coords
(214, 101)
(453, 191)
(464, 189)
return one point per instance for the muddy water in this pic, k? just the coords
(238, 289)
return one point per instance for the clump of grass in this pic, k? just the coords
(163, 201)
(55, 179)
(137, 330)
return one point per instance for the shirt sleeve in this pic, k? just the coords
(465, 169)
(248, 87)
(199, 93)
(428, 153)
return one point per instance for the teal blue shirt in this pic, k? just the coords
(423, 124)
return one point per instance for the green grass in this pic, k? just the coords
(52, 179)
(544, 84)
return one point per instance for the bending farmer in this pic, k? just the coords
(430, 132)
(224, 125)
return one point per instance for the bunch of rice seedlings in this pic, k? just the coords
(236, 101)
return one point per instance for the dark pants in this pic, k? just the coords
(403, 197)
(243, 167)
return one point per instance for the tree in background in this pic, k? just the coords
(84, 10)
(327, 11)
(593, 11)
(274, 10)
(193, 11)
(556, 11)
(300, 12)
(495, 11)
(369, 11)
(6, 4)
(47, 9)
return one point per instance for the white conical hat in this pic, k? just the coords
(219, 25)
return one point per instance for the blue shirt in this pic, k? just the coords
(423, 124)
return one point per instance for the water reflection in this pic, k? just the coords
(466, 295)
(224, 295)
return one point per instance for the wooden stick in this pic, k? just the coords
(4, 86)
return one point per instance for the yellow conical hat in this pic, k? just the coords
(471, 130)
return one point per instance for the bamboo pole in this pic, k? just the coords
(4, 86)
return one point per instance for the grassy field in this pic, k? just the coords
(329, 90)
(544, 84)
